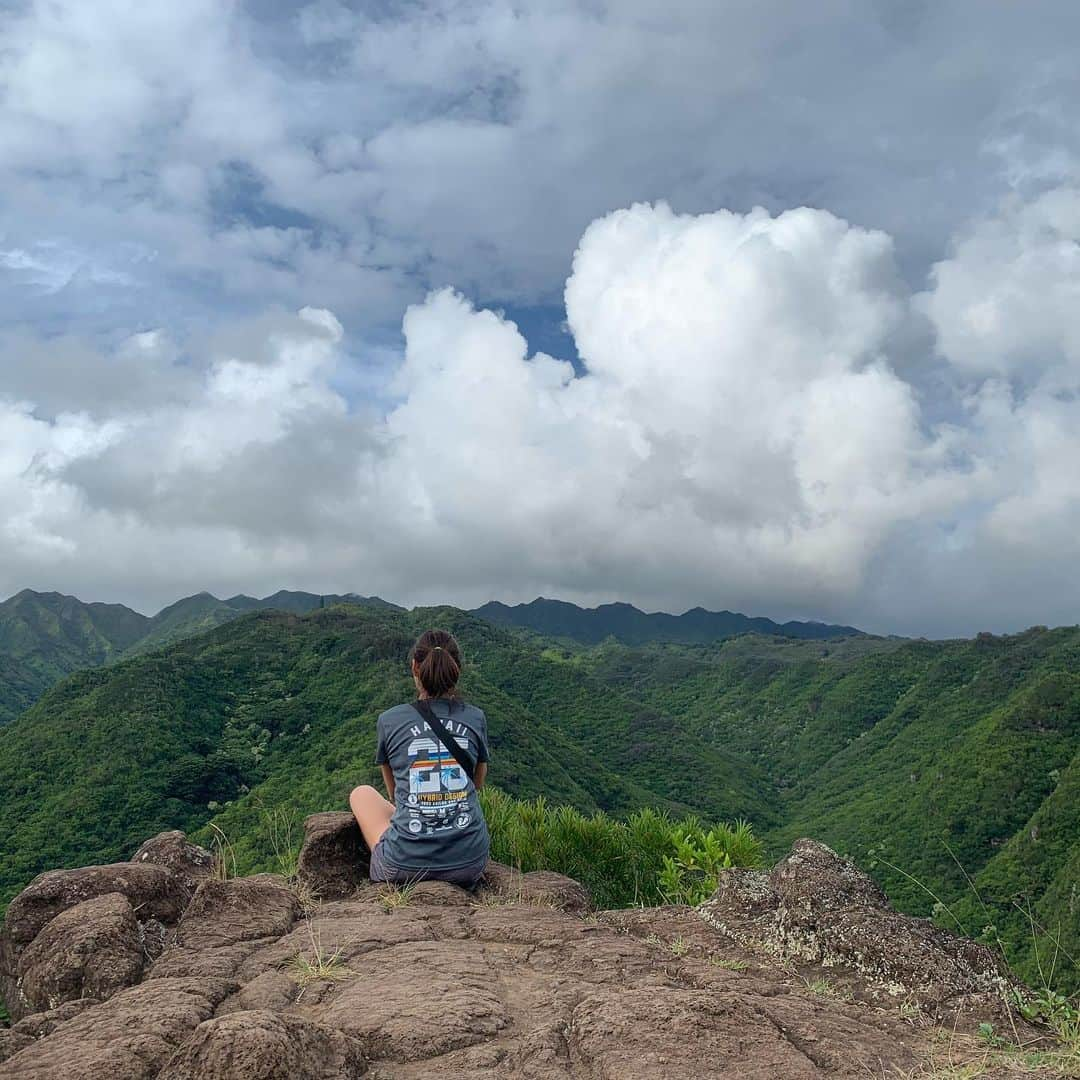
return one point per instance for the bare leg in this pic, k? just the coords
(372, 813)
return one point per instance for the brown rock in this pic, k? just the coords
(429, 997)
(266, 1045)
(179, 962)
(439, 894)
(90, 950)
(541, 888)
(240, 909)
(746, 894)
(9, 971)
(153, 892)
(190, 863)
(813, 878)
(45, 1023)
(819, 908)
(271, 990)
(675, 923)
(614, 1035)
(911, 954)
(11, 1042)
(128, 1037)
(344, 930)
(442, 986)
(334, 859)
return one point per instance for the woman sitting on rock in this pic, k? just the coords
(433, 754)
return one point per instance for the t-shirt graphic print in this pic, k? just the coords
(438, 784)
(437, 822)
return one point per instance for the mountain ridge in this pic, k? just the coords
(45, 636)
(945, 763)
(632, 626)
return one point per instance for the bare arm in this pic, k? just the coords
(481, 774)
(388, 780)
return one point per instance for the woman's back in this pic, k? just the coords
(433, 755)
(437, 822)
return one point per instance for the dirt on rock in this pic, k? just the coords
(516, 979)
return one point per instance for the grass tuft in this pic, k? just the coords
(728, 963)
(392, 897)
(224, 854)
(679, 946)
(827, 988)
(316, 963)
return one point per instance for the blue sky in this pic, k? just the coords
(886, 352)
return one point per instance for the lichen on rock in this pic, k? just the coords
(817, 907)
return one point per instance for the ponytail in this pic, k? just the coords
(438, 663)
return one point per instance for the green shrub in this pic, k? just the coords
(701, 856)
(648, 858)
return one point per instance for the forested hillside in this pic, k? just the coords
(276, 709)
(201, 612)
(45, 636)
(630, 626)
(931, 763)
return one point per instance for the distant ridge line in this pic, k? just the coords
(630, 625)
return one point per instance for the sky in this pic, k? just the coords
(766, 306)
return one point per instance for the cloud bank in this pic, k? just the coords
(267, 273)
(746, 432)
(173, 162)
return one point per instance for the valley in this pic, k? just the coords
(950, 770)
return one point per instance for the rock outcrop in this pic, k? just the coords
(333, 977)
(334, 855)
(76, 933)
(819, 908)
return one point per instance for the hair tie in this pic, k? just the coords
(438, 648)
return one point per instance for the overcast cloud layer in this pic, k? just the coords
(819, 267)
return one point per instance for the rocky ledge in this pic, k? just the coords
(157, 967)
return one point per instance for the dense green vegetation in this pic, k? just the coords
(950, 768)
(647, 857)
(197, 614)
(45, 636)
(271, 710)
(630, 626)
(622, 863)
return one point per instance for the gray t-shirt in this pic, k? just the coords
(437, 822)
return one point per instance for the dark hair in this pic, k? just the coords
(438, 662)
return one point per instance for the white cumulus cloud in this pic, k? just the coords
(740, 436)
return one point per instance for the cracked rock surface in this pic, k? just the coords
(518, 979)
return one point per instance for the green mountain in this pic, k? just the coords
(950, 768)
(274, 711)
(45, 636)
(202, 612)
(625, 623)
